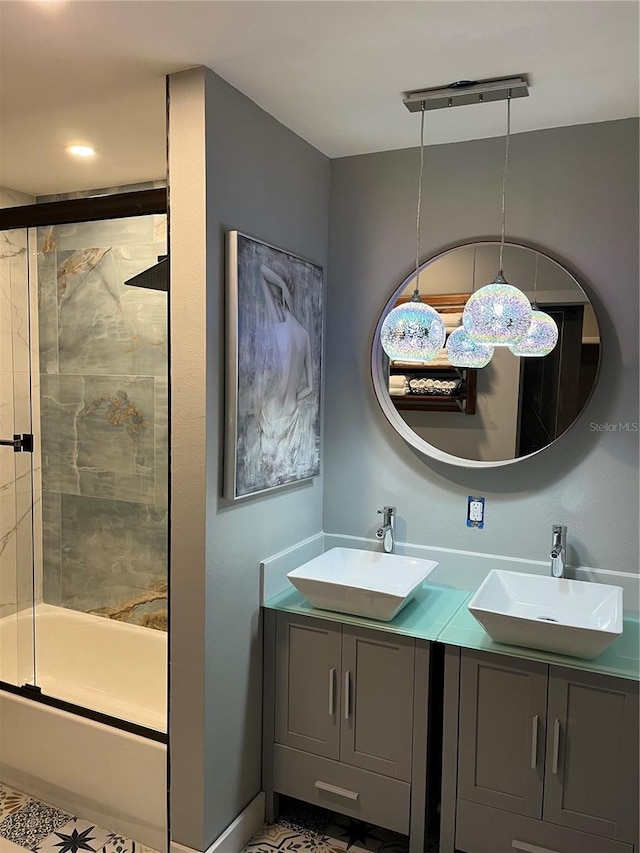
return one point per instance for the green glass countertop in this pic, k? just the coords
(622, 658)
(423, 617)
(440, 613)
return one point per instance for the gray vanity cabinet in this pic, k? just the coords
(346, 721)
(502, 714)
(537, 758)
(345, 693)
(591, 779)
(377, 691)
(308, 682)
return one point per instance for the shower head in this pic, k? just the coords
(154, 278)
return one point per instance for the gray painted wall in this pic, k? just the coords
(266, 182)
(491, 432)
(572, 192)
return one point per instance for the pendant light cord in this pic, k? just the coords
(535, 284)
(504, 178)
(416, 292)
(473, 274)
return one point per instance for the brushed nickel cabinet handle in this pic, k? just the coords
(333, 789)
(347, 698)
(534, 742)
(556, 746)
(332, 698)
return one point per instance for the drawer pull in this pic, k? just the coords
(534, 743)
(332, 699)
(347, 695)
(525, 847)
(339, 792)
(556, 746)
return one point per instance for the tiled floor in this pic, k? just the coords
(33, 825)
(27, 823)
(301, 827)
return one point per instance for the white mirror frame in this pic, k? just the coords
(380, 379)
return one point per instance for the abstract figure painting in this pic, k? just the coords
(274, 358)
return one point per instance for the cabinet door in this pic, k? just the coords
(377, 702)
(591, 780)
(308, 685)
(501, 737)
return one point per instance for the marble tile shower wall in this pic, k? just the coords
(104, 419)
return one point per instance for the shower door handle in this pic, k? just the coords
(15, 442)
(19, 442)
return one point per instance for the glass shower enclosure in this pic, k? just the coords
(84, 456)
(17, 494)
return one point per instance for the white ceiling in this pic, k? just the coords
(331, 70)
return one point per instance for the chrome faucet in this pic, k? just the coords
(558, 550)
(388, 530)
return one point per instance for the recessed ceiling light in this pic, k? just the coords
(81, 150)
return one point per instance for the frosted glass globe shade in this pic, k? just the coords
(413, 331)
(463, 351)
(498, 315)
(541, 337)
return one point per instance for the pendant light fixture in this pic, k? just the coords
(543, 331)
(462, 350)
(414, 331)
(498, 314)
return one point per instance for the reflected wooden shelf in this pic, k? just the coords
(464, 401)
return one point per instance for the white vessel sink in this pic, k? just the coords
(364, 583)
(542, 612)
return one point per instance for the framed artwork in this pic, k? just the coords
(274, 368)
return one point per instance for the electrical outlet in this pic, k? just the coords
(475, 512)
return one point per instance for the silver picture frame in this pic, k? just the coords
(274, 347)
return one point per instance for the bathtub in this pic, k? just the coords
(100, 772)
(112, 667)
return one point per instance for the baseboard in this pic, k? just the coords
(235, 837)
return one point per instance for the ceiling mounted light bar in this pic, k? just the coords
(466, 92)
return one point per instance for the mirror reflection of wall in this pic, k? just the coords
(513, 406)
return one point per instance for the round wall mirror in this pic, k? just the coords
(515, 406)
